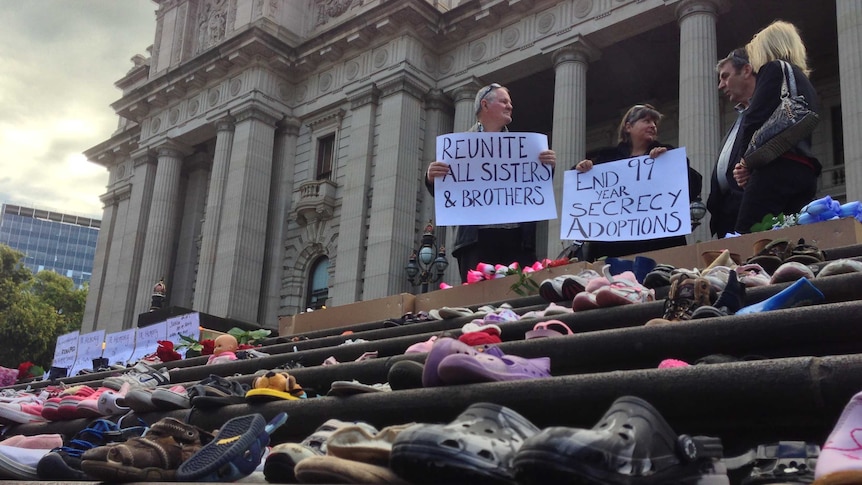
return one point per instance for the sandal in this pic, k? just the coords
(235, 452)
(477, 447)
(487, 367)
(631, 443)
(153, 457)
(805, 253)
(549, 328)
(772, 255)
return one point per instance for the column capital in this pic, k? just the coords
(466, 91)
(249, 112)
(581, 50)
(368, 94)
(174, 149)
(403, 82)
(288, 126)
(690, 7)
(436, 99)
(115, 196)
(228, 123)
(143, 156)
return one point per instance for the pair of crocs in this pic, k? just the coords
(451, 362)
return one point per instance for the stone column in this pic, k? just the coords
(212, 214)
(438, 121)
(352, 232)
(570, 122)
(161, 225)
(698, 97)
(849, 13)
(98, 281)
(465, 103)
(182, 291)
(126, 263)
(280, 198)
(395, 185)
(242, 230)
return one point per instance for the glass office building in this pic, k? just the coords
(62, 243)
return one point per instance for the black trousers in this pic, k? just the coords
(781, 187)
(495, 246)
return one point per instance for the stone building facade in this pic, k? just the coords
(262, 142)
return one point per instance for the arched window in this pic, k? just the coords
(318, 284)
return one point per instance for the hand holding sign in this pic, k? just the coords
(631, 199)
(493, 178)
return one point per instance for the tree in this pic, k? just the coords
(34, 311)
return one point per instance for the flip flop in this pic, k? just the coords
(234, 453)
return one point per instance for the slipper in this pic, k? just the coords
(282, 460)
(234, 453)
(840, 266)
(216, 391)
(349, 388)
(454, 312)
(481, 326)
(331, 469)
(791, 271)
(421, 347)
(358, 444)
(550, 328)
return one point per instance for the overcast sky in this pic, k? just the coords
(59, 60)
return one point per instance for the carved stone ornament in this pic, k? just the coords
(330, 9)
(212, 23)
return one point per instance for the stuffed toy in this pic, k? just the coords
(276, 385)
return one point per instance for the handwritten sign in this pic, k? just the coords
(89, 348)
(147, 339)
(628, 200)
(493, 178)
(66, 350)
(188, 325)
(119, 346)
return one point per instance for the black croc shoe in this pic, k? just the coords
(476, 448)
(631, 444)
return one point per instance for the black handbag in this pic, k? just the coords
(791, 122)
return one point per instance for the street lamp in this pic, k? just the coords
(422, 265)
(697, 210)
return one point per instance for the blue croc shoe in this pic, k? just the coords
(801, 293)
(234, 453)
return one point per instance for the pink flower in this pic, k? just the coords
(444, 285)
(485, 268)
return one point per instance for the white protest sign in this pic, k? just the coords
(89, 348)
(147, 339)
(493, 178)
(187, 325)
(628, 200)
(66, 350)
(119, 346)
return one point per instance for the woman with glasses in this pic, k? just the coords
(492, 243)
(637, 135)
(786, 184)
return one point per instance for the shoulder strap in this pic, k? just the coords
(789, 84)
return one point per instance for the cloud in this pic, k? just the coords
(58, 64)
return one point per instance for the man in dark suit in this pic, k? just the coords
(736, 80)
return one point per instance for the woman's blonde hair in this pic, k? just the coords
(633, 115)
(780, 40)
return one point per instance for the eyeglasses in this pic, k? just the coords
(487, 90)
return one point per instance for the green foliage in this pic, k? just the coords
(249, 336)
(525, 285)
(34, 311)
(188, 343)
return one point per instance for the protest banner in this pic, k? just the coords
(147, 339)
(493, 178)
(89, 348)
(628, 200)
(66, 350)
(119, 346)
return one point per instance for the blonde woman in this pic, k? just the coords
(789, 182)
